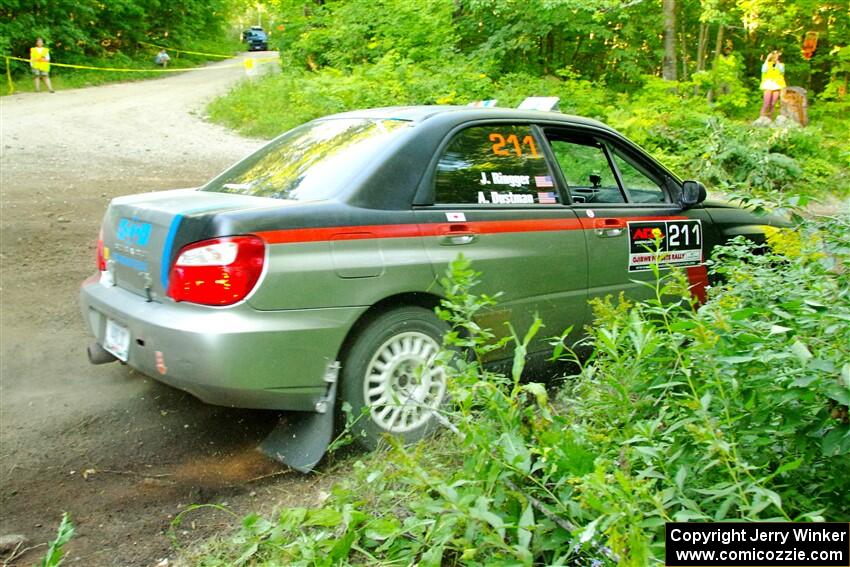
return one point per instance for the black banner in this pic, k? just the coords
(764, 544)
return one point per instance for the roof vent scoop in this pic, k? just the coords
(545, 103)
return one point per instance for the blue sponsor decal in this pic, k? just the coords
(133, 232)
(138, 265)
(168, 249)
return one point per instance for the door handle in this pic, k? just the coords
(457, 235)
(609, 227)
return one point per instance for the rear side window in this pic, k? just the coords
(312, 162)
(494, 165)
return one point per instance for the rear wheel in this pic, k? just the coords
(390, 372)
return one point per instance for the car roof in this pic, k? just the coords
(465, 113)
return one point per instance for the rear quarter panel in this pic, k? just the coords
(344, 266)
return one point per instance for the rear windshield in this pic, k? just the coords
(311, 162)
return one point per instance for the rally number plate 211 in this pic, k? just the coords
(667, 242)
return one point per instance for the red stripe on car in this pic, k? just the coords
(360, 232)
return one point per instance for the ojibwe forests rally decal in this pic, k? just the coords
(680, 243)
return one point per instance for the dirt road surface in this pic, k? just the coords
(121, 453)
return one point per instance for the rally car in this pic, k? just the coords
(314, 262)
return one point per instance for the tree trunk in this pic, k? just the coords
(572, 60)
(718, 50)
(668, 66)
(718, 46)
(550, 53)
(702, 44)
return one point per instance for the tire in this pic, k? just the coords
(387, 379)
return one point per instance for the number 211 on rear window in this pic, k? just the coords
(512, 145)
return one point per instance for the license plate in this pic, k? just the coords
(117, 340)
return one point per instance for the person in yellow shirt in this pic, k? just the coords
(40, 64)
(772, 82)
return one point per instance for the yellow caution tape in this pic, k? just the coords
(9, 77)
(125, 70)
(184, 51)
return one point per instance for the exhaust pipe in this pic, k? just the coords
(97, 354)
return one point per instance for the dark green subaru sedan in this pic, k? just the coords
(306, 274)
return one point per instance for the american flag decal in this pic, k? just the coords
(543, 181)
(546, 198)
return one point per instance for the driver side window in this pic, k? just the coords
(641, 187)
(587, 171)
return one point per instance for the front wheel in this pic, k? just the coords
(390, 378)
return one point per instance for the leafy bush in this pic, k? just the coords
(734, 157)
(737, 409)
(723, 80)
(343, 35)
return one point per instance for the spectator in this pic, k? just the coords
(772, 82)
(162, 58)
(40, 64)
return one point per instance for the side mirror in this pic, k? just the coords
(693, 193)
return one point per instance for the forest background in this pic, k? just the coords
(679, 77)
(737, 409)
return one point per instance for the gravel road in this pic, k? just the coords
(121, 453)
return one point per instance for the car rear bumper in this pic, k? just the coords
(236, 356)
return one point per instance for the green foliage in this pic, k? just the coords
(723, 80)
(254, 107)
(735, 410)
(76, 29)
(608, 41)
(55, 554)
(340, 55)
(345, 34)
(838, 84)
(678, 127)
(110, 34)
(686, 133)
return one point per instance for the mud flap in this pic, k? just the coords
(300, 438)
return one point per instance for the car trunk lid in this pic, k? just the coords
(143, 233)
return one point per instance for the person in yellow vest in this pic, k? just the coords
(772, 82)
(40, 64)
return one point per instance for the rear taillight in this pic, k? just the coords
(101, 258)
(220, 271)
